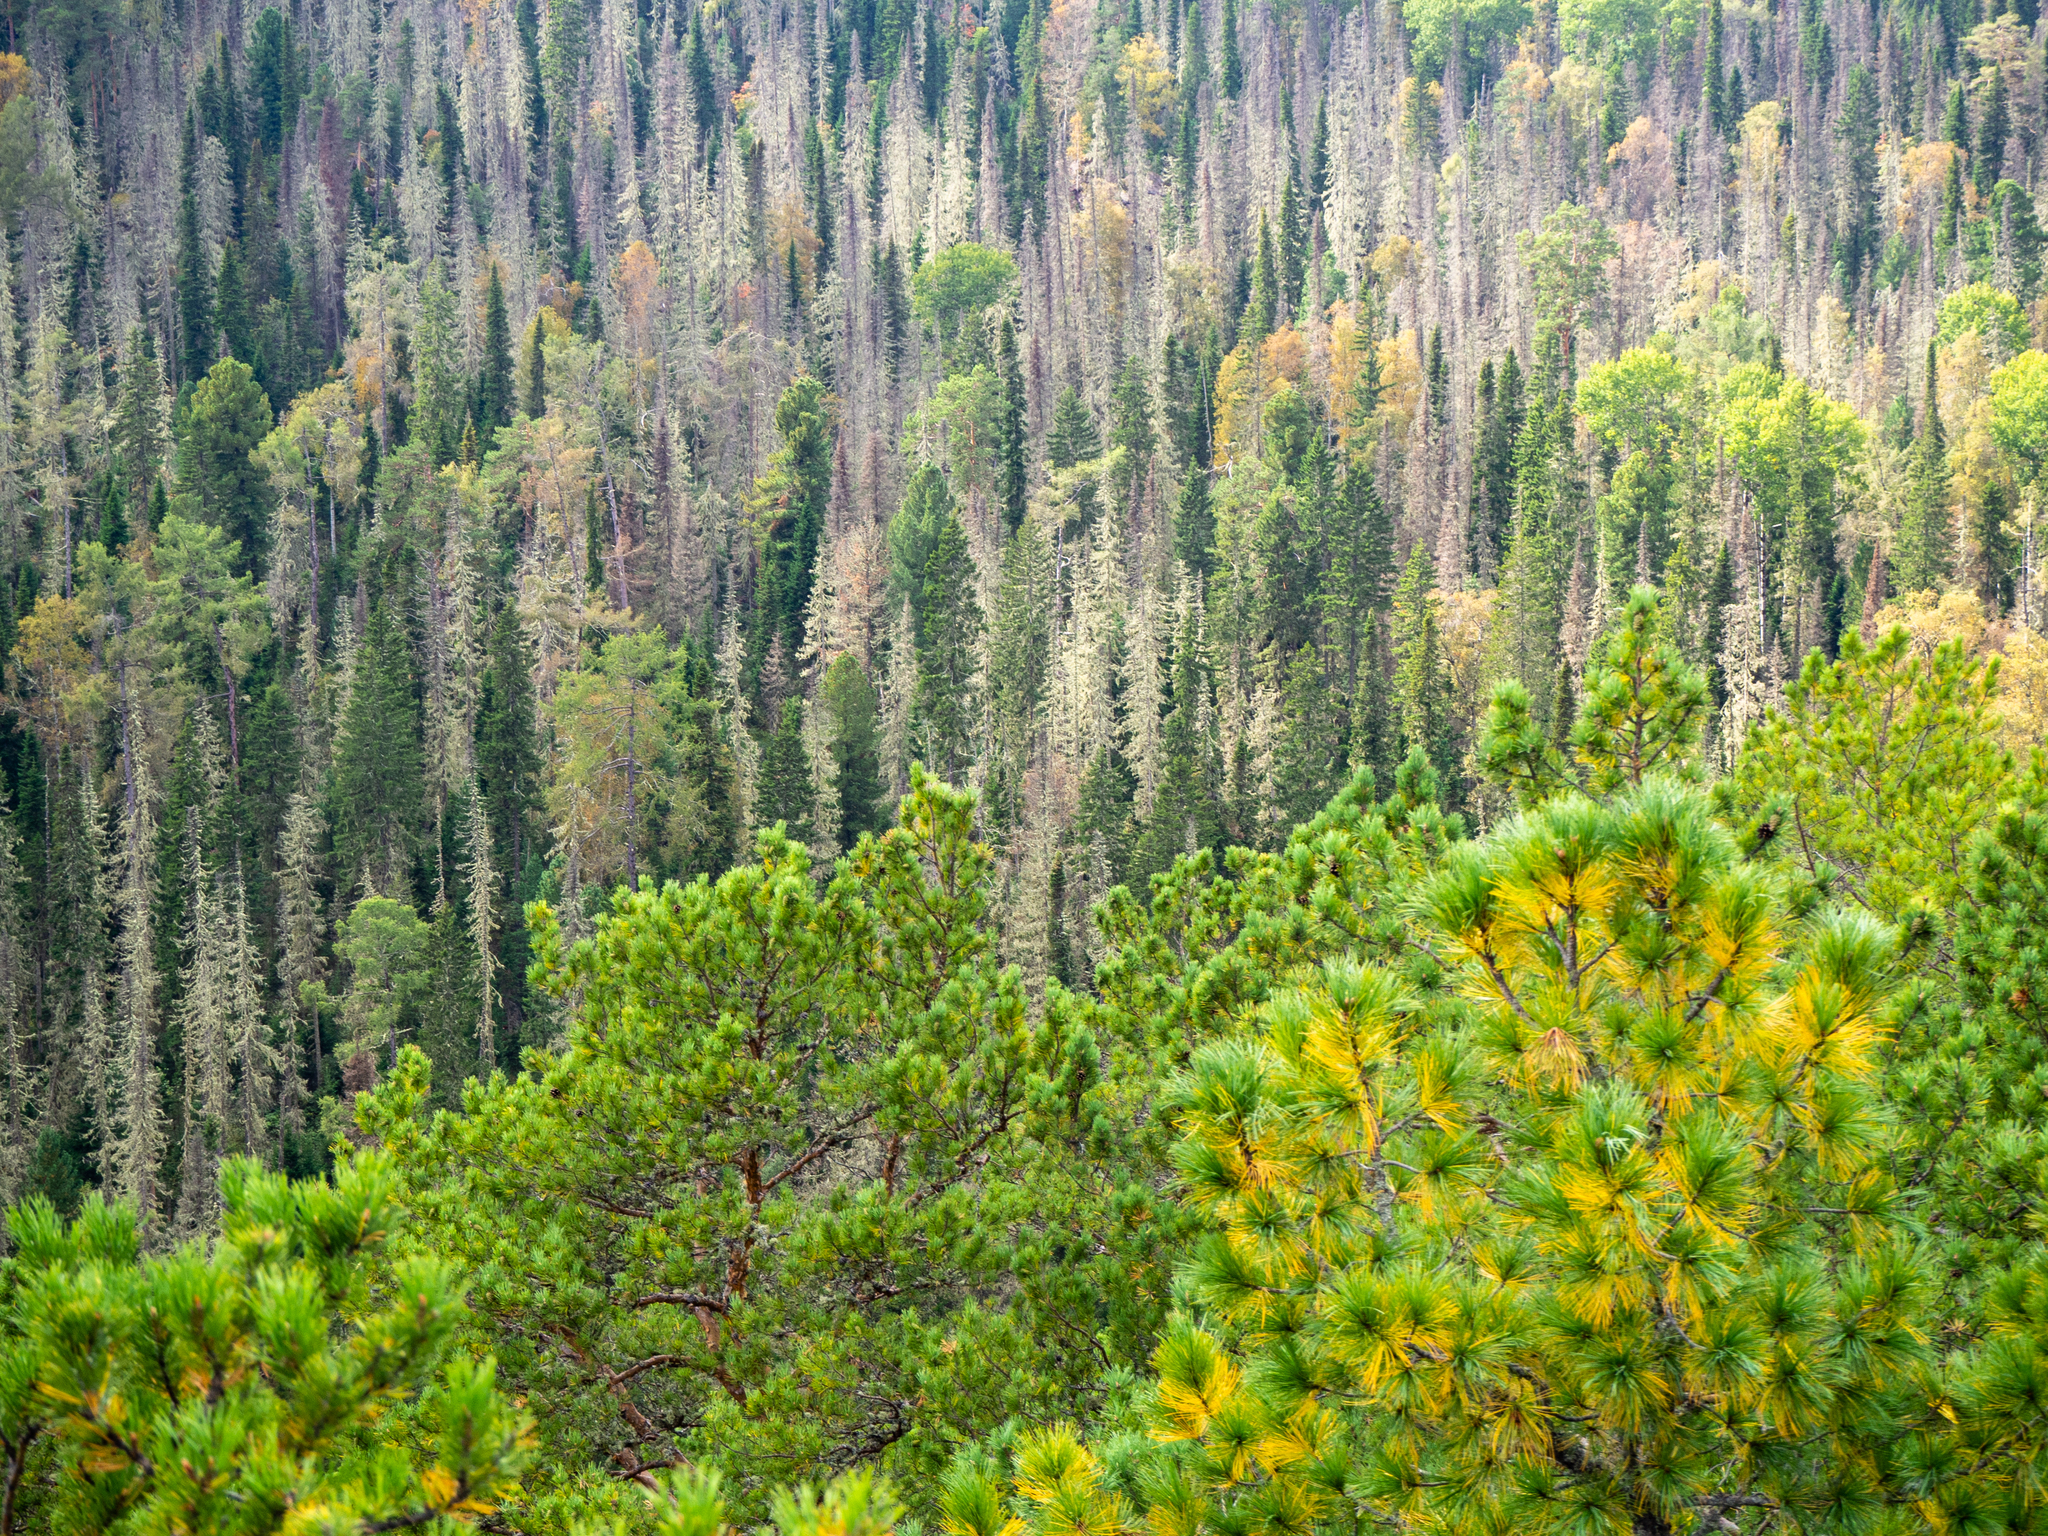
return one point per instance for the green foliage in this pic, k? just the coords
(953, 292)
(1991, 313)
(1877, 771)
(1643, 715)
(2019, 412)
(266, 1385)
(841, 1128)
(1571, 1184)
(219, 480)
(1567, 264)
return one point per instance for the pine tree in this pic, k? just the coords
(1923, 555)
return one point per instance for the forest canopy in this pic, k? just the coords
(1023, 770)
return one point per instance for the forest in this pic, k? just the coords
(1000, 768)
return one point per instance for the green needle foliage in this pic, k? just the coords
(1877, 771)
(265, 1386)
(804, 1184)
(1643, 714)
(1599, 1236)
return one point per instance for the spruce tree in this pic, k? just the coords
(1320, 183)
(785, 793)
(1293, 242)
(138, 426)
(1994, 552)
(1308, 754)
(1231, 71)
(853, 715)
(948, 627)
(1923, 556)
(494, 381)
(193, 275)
(817, 184)
(1857, 239)
(231, 306)
(1262, 307)
(378, 794)
(536, 371)
(220, 480)
(1013, 445)
(1993, 127)
(1194, 523)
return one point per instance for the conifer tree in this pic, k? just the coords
(1013, 485)
(131, 1155)
(1993, 127)
(948, 632)
(256, 1059)
(138, 426)
(1073, 438)
(786, 795)
(21, 1084)
(1230, 72)
(818, 193)
(194, 275)
(1320, 183)
(1923, 556)
(378, 795)
(482, 883)
(494, 382)
(303, 925)
(1308, 754)
(853, 715)
(1262, 307)
(1293, 242)
(536, 371)
(219, 479)
(231, 306)
(1994, 553)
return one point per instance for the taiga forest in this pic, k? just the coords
(1024, 767)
